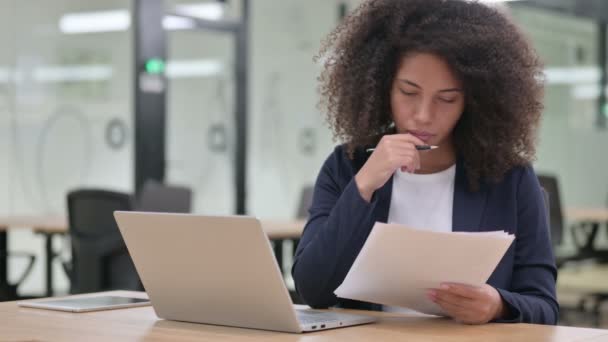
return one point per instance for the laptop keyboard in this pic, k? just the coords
(310, 317)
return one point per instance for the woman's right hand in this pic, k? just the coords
(392, 152)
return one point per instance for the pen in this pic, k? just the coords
(418, 147)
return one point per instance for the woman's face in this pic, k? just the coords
(426, 98)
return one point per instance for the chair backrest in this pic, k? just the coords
(556, 219)
(100, 260)
(305, 202)
(157, 197)
(547, 204)
(90, 211)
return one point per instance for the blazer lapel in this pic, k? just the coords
(468, 206)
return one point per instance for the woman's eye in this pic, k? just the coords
(447, 100)
(407, 93)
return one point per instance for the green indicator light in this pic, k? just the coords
(155, 66)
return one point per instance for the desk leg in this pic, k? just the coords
(3, 260)
(295, 245)
(278, 252)
(589, 244)
(49, 264)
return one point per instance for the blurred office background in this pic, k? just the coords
(240, 127)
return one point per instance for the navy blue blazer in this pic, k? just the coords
(340, 221)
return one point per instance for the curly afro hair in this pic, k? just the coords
(499, 69)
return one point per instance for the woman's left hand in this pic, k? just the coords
(469, 304)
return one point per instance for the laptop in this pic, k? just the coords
(217, 270)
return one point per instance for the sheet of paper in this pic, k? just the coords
(398, 264)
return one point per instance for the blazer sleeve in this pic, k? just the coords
(340, 221)
(531, 298)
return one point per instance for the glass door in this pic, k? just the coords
(201, 129)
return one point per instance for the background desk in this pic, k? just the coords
(48, 226)
(588, 220)
(587, 214)
(23, 324)
(45, 225)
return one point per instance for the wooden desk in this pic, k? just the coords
(280, 230)
(23, 324)
(587, 214)
(48, 226)
(275, 229)
(283, 229)
(41, 223)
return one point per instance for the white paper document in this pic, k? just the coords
(397, 264)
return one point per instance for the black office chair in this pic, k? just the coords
(303, 207)
(302, 214)
(556, 220)
(158, 197)
(305, 202)
(9, 291)
(584, 251)
(552, 198)
(583, 238)
(100, 260)
(556, 230)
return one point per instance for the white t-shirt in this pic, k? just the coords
(422, 201)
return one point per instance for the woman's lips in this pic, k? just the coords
(424, 136)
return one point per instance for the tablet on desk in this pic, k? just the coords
(86, 304)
